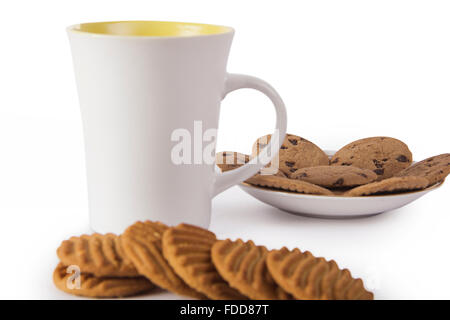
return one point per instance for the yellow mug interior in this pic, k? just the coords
(150, 28)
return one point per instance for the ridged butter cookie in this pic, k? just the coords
(98, 254)
(295, 153)
(88, 285)
(243, 265)
(187, 248)
(142, 245)
(335, 176)
(309, 278)
(383, 155)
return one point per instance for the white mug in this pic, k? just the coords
(138, 83)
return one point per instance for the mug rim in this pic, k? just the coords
(217, 29)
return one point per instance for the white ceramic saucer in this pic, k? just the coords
(333, 207)
(336, 207)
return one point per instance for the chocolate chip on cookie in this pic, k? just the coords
(295, 153)
(383, 155)
(434, 169)
(335, 176)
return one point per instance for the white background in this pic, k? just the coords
(345, 69)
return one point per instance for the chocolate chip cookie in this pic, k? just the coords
(229, 160)
(434, 169)
(295, 153)
(391, 185)
(383, 155)
(335, 176)
(287, 184)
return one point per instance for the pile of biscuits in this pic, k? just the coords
(191, 261)
(366, 167)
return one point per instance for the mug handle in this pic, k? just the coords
(225, 180)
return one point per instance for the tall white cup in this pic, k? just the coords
(139, 82)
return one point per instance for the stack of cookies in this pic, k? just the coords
(370, 166)
(191, 261)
